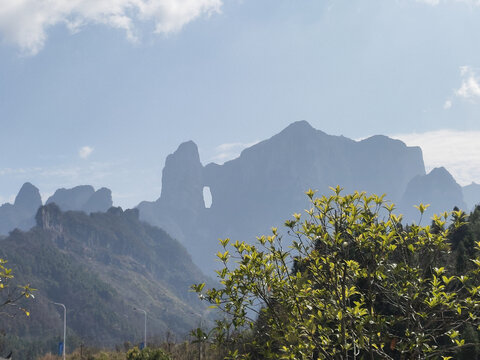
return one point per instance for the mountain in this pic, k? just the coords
(438, 188)
(101, 266)
(22, 212)
(471, 195)
(266, 184)
(82, 198)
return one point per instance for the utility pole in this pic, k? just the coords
(64, 326)
(145, 332)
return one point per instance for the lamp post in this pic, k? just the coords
(145, 333)
(64, 325)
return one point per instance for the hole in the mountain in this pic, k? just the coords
(207, 197)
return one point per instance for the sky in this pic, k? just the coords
(100, 91)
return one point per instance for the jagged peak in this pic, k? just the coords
(28, 196)
(298, 128)
(300, 124)
(440, 172)
(47, 216)
(186, 151)
(187, 147)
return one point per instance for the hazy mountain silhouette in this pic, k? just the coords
(266, 184)
(82, 198)
(22, 212)
(438, 188)
(471, 195)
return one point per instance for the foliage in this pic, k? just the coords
(99, 266)
(354, 282)
(147, 354)
(8, 296)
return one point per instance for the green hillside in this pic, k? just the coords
(100, 266)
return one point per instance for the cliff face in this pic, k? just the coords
(21, 213)
(266, 184)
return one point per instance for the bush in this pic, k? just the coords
(353, 282)
(147, 354)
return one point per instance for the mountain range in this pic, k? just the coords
(22, 212)
(266, 184)
(101, 261)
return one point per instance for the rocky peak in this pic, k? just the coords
(298, 127)
(100, 201)
(28, 198)
(82, 198)
(438, 189)
(49, 217)
(71, 199)
(182, 178)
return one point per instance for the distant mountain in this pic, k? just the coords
(438, 188)
(82, 198)
(20, 214)
(471, 195)
(266, 184)
(101, 266)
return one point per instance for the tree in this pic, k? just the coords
(353, 282)
(147, 354)
(8, 296)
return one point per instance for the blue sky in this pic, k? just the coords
(101, 91)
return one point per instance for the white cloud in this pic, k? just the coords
(430, 2)
(457, 151)
(447, 105)
(85, 152)
(25, 22)
(229, 151)
(470, 87)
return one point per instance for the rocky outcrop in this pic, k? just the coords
(266, 184)
(28, 198)
(438, 189)
(82, 198)
(20, 214)
(182, 183)
(182, 194)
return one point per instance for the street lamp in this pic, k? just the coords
(64, 325)
(145, 333)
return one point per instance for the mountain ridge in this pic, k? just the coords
(266, 183)
(101, 266)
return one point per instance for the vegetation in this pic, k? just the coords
(100, 266)
(147, 354)
(9, 297)
(349, 281)
(354, 282)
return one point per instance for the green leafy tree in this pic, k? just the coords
(354, 282)
(9, 297)
(147, 354)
